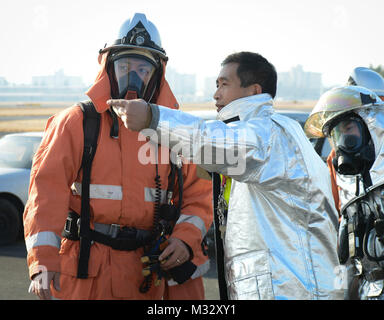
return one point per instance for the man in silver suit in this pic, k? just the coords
(280, 231)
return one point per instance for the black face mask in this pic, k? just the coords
(354, 154)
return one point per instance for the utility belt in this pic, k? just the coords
(112, 235)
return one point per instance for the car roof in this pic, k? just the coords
(298, 115)
(298, 111)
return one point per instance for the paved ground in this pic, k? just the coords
(14, 281)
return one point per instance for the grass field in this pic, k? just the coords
(25, 116)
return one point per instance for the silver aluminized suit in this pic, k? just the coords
(281, 235)
(374, 119)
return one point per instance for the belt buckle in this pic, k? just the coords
(68, 225)
(113, 230)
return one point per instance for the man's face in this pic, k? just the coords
(229, 86)
(348, 127)
(142, 68)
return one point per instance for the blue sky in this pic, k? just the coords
(39, 37)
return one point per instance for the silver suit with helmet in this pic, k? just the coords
(352, 117)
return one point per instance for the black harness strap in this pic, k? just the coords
(218, 241)
(91, 126)
(219, 245)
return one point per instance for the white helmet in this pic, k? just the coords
(134, 62)
(365, 77)
(138, 33)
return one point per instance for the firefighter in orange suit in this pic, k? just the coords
(122, 190)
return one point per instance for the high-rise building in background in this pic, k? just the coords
(298, 84)
(58, 80)
(295, 84)
(209, 88)
(56, 87)
(3, 82)
(183, 85)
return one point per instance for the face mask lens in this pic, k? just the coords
(347, 135)
(132, 74)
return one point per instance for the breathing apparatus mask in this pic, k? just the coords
(133, 74)
(353, 145)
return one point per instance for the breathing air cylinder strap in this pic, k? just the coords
(91, 126)
(218, 241)
(219, 245)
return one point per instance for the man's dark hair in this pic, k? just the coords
(254, 68)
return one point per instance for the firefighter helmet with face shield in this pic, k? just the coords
(368, 78)
(335, 116)
(336, 102)
(135, 58)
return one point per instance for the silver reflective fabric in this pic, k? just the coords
(374, 118)
(281, 234)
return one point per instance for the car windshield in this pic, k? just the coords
(18, 151)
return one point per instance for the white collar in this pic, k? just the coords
(244, 106)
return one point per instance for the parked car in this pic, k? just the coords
(16, 153)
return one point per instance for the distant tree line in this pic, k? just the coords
(378, 69)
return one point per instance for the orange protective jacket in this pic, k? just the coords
(332, 171)
(122, 192)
